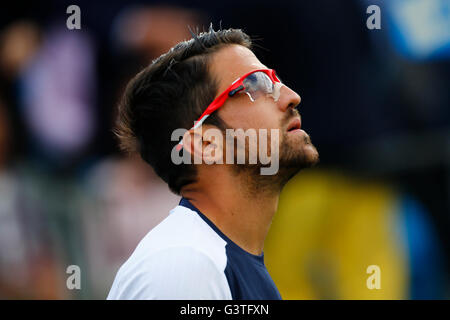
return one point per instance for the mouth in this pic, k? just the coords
(294, 125)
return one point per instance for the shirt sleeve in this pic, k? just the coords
(176, 273)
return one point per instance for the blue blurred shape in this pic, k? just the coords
(420, 29)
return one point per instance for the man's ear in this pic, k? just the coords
(193, 143)
(204, 144)
(212, 145)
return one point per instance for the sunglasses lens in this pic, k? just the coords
(258, 84)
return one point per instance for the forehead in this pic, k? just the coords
(231, 62)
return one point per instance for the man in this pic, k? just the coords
(211, 245)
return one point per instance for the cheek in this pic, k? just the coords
(265, 115)
(262, 114)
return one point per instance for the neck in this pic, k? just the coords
(240, 207)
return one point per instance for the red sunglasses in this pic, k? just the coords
(255, 84)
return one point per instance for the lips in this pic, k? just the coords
(294, 125)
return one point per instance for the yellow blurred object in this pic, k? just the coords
(327, 231)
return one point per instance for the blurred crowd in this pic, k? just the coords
(375, 102)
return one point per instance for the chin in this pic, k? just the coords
(311, 155)
(299, 153)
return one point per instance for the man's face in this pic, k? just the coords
(295, 148)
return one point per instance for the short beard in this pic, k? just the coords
(291, 158)
(291, 162)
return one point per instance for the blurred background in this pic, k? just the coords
(375, 102)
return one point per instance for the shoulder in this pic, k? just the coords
(181, 258)
(179, 272)
(182, 228)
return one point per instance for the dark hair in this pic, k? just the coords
(170, 93)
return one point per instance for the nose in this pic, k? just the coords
(288, 98)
